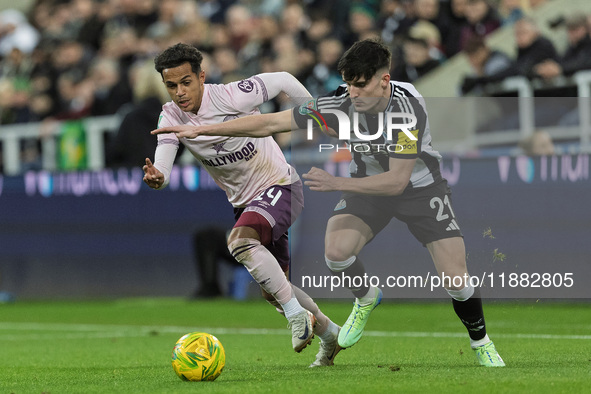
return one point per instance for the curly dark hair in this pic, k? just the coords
(177, 55)
(364, 59)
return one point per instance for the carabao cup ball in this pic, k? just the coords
(198, 356)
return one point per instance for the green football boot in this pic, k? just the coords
(353, 328)
(488, 356)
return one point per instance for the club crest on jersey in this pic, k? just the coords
(246, 85)
(308, 107)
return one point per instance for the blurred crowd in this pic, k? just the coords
(69, 59)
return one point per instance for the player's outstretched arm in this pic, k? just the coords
(248, 126)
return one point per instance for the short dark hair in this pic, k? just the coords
(177, 55)
(364, 59)
(474, 44)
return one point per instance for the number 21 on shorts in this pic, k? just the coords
(440, 205)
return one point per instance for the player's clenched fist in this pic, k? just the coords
(320, 181)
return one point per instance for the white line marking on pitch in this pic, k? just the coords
(83, 331)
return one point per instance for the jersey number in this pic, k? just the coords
(436, 202)
(273, 197)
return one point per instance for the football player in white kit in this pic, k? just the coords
(265, 191)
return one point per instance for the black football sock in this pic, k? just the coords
(355, 282)
(472, 316)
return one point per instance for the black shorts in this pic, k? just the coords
(427, 211)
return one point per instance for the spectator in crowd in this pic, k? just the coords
(111, 86)
(430, 13)
(362, 20)
(482, 19)
(16, 32)
(511, 11)
(14, 97)
(532, 49)
(75, 97)
(577, 56)
(427, 10)
(484, 62)
(538, 144)
(417, 61)
(427, 31)
(395, 20)
(168, 19)
(324, 77)
(214, 10)
(135, 14)
(89, 23)
(15, 70)
(132, 141)
(454, 12)
(320, 28)
(240, 26)
(227, 65)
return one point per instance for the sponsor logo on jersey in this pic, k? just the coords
(244, 154)
(220, 147)
(307, 108)
(246, 85)
(408, 146)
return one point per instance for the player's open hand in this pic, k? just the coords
(181, 131)
(152, 176)
(320, 181)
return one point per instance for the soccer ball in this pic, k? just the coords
(198, 356)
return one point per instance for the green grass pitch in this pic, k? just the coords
(124, 346)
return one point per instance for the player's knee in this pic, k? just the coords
(339, 265)
(336, 253)
(242, 232)
(242, 248)
(461, 294)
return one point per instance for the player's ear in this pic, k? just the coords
(385, 80)
(202, 76)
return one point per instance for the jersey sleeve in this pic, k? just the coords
(285, 82)
(168, 145)
(408, 140)
(243, 97)
(310, 109)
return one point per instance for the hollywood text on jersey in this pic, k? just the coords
(244, 154)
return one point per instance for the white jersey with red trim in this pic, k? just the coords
(242, 166)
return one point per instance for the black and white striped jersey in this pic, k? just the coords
(372, 157)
